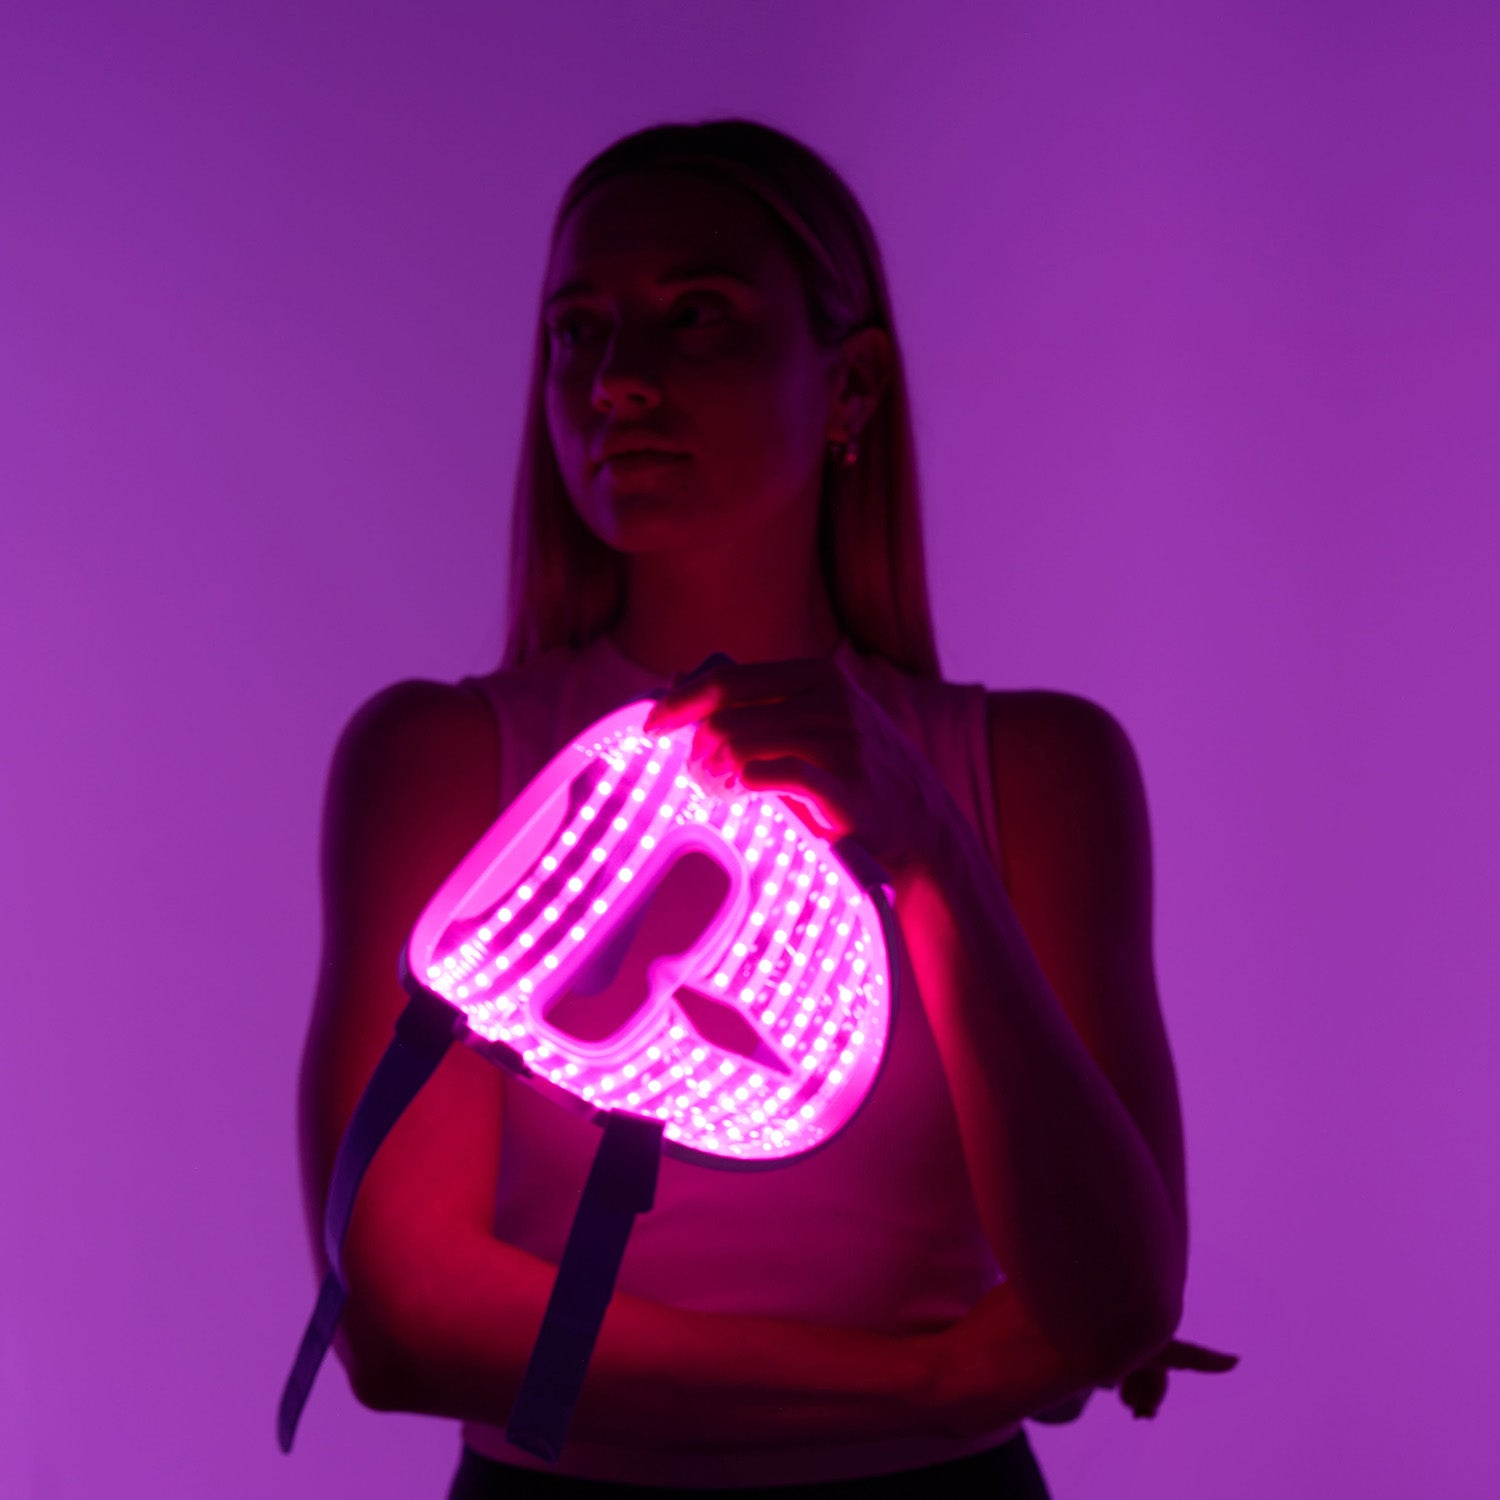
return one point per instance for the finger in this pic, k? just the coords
(800, 778)
(765, 682)
(793, 718)
(683, 706)
(1144, 1390)
(1180, 1355)
(729, 739)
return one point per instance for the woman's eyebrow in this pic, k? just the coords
(674, 276)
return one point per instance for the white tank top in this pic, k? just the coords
(876, 1230)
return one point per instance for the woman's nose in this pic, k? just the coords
(628, 374)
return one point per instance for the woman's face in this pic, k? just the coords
(676, 324)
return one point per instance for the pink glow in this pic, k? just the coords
(755, 1036)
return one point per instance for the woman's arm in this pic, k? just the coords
(441, 1315)
(1043, 1004)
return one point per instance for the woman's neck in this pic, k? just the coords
(678, 611)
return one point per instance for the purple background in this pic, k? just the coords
(1201, 308)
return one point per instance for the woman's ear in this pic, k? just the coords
(862, 371)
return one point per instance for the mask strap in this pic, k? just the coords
(424, 1032)
(621, 1184)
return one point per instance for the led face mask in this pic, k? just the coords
(700, 973)
(638, 943)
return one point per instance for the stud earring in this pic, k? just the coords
(844, 451)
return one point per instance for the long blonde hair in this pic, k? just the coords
(566, 586)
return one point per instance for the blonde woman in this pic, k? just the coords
(718, 457)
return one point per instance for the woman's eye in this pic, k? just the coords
(694, 313)
(572, 329)
(578, 328)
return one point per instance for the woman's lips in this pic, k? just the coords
(641, 461)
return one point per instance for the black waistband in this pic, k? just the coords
(1008, 1472)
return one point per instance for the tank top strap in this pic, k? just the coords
(949, 723)
(540, 706)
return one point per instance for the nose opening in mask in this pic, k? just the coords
(624, 974)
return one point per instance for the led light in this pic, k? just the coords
(802, 984)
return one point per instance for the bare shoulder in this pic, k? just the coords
(1059, 738)
(411, 725)
(1075, 835)
(413, 785)
(414, 782)
(1069, 791)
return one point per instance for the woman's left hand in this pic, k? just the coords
(803, 728)
(1145, 1387)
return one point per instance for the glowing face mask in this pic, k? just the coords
(702, 974)
(638, 943)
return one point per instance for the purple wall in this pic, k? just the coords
(1203, 320)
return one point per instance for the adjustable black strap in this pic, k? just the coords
(621, 1184)
(424, 1031)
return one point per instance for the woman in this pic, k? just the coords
(718, 458)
